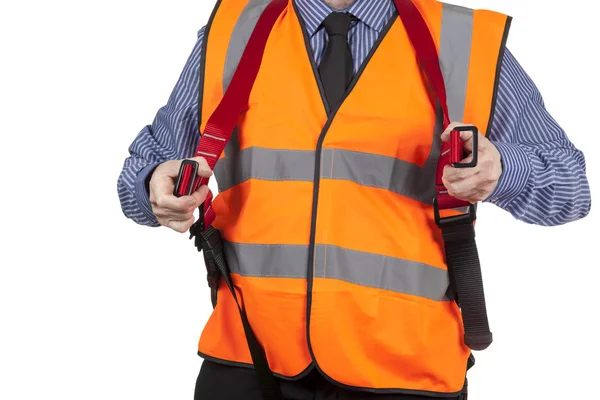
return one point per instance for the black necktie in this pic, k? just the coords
(337, 68)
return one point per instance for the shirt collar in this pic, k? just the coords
(374, 13)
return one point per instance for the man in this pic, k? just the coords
(334, 252)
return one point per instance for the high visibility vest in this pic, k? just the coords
(327, 214)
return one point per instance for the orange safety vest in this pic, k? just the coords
(327, 218)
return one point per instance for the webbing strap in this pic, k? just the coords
(458, 232)
(465, 276)
(222, 122)
(269, 387)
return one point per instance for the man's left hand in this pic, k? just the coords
(478, 183)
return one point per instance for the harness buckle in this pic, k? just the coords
(212, 247)
(456, 146)
(184, 186)
(212, 276)
(454, 220)
(456, 155)
(456, 228)
(210, 243)
(196, 231)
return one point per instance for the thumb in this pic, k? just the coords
(172, 168)
(466, 136)
(200, 195)
(204, 170)
(450, 128)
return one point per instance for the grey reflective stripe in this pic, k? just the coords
(455, 55)
(365, 269)
(240, 36)
(382, 272)
(266, 164)
(380, 172)
(365, 169)
(269, 260)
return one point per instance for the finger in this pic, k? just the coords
(463, 190)
(452, 174)
(467, 137)
(171, 168)
(462, 187)
(180, 226)
(474, 195)
(161, 185)
(450, 128)
(199, 195)
(182, 204)
(204, 170)
(193, 201)
(168, 214)
(185, 211)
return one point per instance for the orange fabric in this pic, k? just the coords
(280, 300)
(360, 336)
(415, 346)
(289, 205)
(375, 228)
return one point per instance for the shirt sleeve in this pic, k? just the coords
(173, 135)
(544, 176)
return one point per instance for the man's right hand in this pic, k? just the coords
(176, 213)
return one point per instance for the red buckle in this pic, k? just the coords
(186, 178)
(453, 154)
(456, 146)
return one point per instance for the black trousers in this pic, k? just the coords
(222, 382)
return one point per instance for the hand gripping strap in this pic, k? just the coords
(458, 232)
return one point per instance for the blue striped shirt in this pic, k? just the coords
(543, 180)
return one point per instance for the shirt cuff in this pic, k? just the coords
(141, 192)
(516, 170)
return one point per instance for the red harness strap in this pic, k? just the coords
(222, 122)
(428, 59)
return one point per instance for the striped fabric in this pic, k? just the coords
(373, 15)
(543, 180)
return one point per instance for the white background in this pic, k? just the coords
(93, 306)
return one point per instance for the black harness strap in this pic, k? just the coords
(209, 241)
(466, 280)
